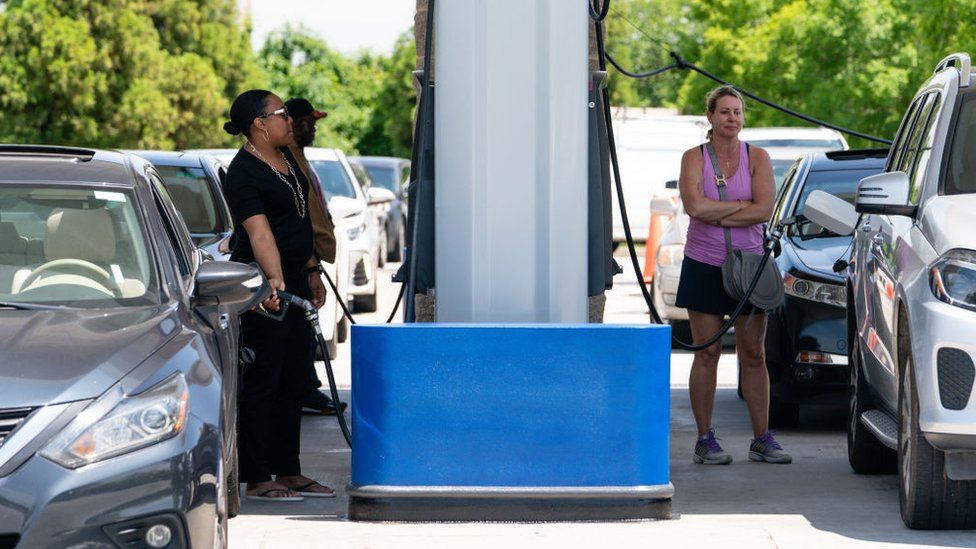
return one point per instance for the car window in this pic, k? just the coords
(915, 159)
(175, 228)
(923, 146)
(780, 167)
(961, 172)
(384, 176)
(335, 181)
(783, 192)
(76, 247)
(840, 183)
(405, 177)
(907, 124)
(190, 191)
(364, 179)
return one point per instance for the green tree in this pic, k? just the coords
(390, 128)
(121, 73)
(369, 98)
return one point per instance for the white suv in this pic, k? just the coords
(912, 305)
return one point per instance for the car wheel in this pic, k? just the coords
(928, 499)
(395, 253)
(783, 414)
(865, 452)
(680, 330)
(384, 245)
(233, 488)
(365, 303)
(342, 331)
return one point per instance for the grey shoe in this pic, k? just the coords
(708, 451)
(765, 448)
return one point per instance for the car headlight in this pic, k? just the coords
(953, 278)
(356, 231)
(831, 294)
(116, 424)
(670, 255)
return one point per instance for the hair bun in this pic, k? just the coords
(231, 128)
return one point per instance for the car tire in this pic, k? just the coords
(928, 499)
(365, 303)
(382, 252)
(866, 454)
(680, 330)
(395, 253)
(342, 330)
(233, 488)
(783, 414)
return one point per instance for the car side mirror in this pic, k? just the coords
(663, 205)
(673, 184)
(885, 194)
(830, 212)
(378, 195)
(230, 283)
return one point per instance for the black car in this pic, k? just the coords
(118, 355)
(806, 337)
(195, 183)
(392, 174)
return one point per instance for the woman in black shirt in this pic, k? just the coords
(268, 198)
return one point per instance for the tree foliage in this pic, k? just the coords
(369, 98)
(121, 73)
(852, 63)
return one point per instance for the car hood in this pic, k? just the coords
(820, 254)
(948, 222)
(55, 356)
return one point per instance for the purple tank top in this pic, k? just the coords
(706, 243)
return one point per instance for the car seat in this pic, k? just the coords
(86, 235)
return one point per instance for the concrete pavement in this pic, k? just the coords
(815, 502)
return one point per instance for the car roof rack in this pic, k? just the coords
(960, 61)
(858, 154)
(48, 151)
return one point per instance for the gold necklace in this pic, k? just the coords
(296, 191)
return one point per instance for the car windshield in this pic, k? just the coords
(385, 177)
(190, 191)
(335, 181)
(840, 183)
(961, 175)
(799, 143)
(74, 247)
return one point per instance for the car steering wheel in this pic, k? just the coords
(104, 278)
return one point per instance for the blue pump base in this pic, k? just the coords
(510, 423)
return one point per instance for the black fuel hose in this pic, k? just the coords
(312, 316)
(608, 119)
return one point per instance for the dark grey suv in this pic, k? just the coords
(118, 358)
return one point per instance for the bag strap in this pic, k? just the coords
(720, 183)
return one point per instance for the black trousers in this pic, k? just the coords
(270, 400)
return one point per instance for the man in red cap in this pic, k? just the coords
(304, 117)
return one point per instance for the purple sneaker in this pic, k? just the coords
(765, 448)
(708, 451)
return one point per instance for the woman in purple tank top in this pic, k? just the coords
(750, 191)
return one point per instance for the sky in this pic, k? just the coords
(346, 25)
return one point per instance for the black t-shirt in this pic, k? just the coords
(252, 188)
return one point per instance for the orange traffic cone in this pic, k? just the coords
(655, 228)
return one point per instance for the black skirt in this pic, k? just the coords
(701, 289)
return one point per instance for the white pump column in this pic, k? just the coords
(511, 160)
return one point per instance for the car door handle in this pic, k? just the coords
(878, 239)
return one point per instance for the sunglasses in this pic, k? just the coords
(283, 112)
